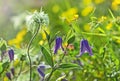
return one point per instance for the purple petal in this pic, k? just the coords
(8, 75)
(82, 47)
(88, 48)
(13, 71)
(41, 72)
(58, 44)
(11, 54)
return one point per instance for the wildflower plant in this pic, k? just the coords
(77, 45)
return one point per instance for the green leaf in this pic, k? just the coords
(48, 36)
(71, 40)
(5, 65)
(2, 45)
(1, 68)
(68, 65)
(47, 56)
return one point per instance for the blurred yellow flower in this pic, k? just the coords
(16, 62)
(86, 11)
(41, 42)
(55, 8)
(87, 2)
(18, 39)
(118, 41)
(65, 44)
(115, 4)
(109, 26)
(87, 27)
(70, 15)
(98, 1)
(102, 18)
(44, 37)
(5, 79)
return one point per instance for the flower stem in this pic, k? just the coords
(50, 74)
(28, 50)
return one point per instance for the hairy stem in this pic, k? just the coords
(28, 50)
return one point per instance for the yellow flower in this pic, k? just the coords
(5, 79)
(70, 14)
(118, 41)
(87, 27)
(16, 62)
(98, 1)
(115, 4)
(101, 19)
(109, 26)
(41, 42)
(18, 39)
(87, 2)
(55, 8)
(86, 11)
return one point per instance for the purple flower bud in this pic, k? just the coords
(8, 75)
(58, 44)
(85, 47)
(64, 80)
(11, 54)
(40, 70)
(12, 71)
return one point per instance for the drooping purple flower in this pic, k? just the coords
(8, 75)
(85, 47)
(40, 70)
(11, 54)
(58, 44)
(12, 71)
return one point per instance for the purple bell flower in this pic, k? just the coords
(40, 70)
(8, 75)
(11, 54)
(85, 47)
(58, 44)
(12, 71)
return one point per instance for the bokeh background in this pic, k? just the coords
(55, 9)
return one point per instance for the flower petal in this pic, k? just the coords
(58, 44)
(82, 47)
(11, 54)
(88, 48)
(8, 75)
(40, 71)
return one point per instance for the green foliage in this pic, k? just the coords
(47, 56)
(68, 66)
(3, 45)
(1, 68)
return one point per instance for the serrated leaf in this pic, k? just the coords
(69, 65)
(47, 56)
(71, 40)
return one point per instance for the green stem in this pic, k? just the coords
(55, 67)
(28, 50)
(21, 65)
(50, 74)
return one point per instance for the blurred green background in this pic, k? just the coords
(54, 8)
